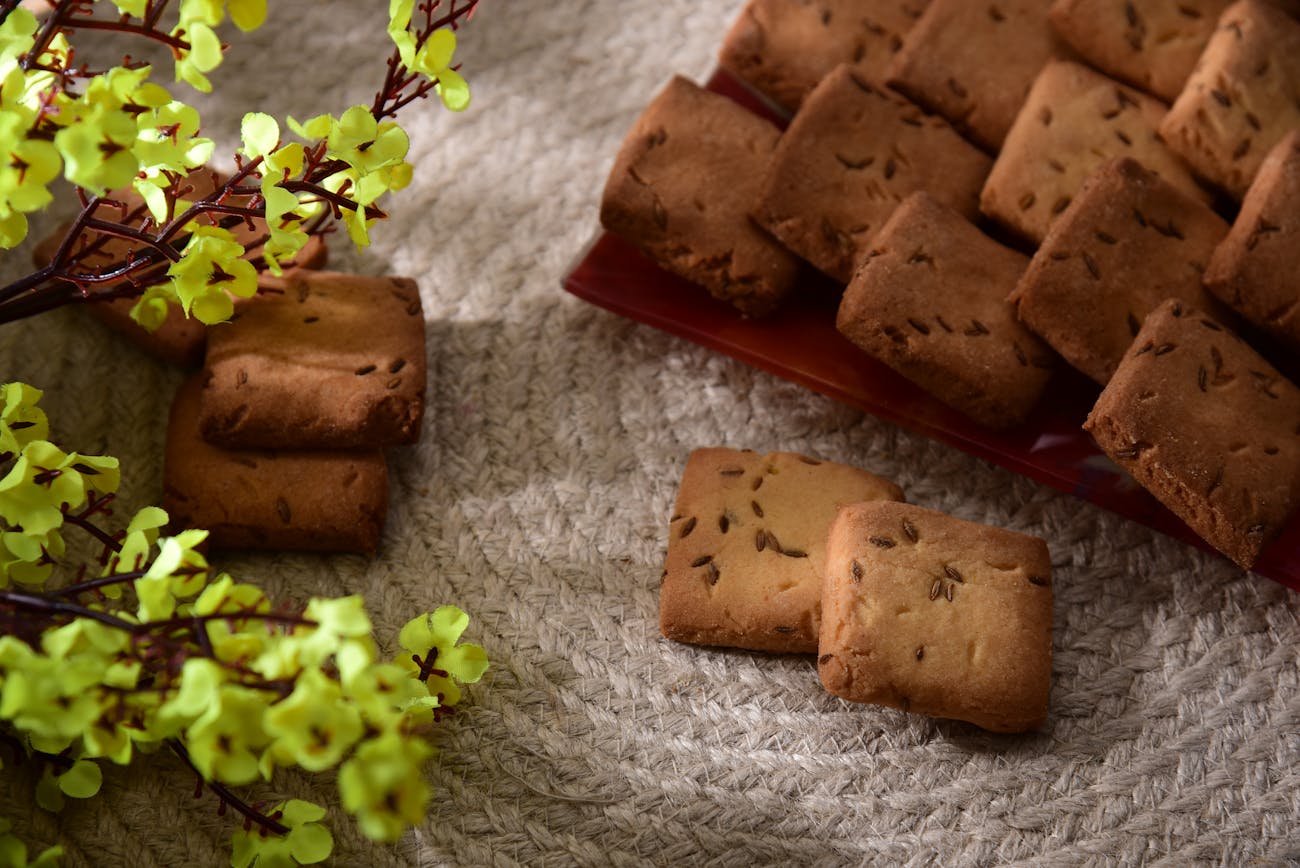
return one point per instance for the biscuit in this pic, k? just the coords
(854, 151)
(953, 63)
(180, 340)
(1255, 270)
(782, 49)
(681, 189)
(937, 616)
(1208, 427)
(747, 547)
(327, 501)
(1152, 45)
(318, 360)
(930, 302)
(1127, 242)
(1241, 99)
(1073, 121)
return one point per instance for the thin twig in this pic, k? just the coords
(117, 579)
(226, 796)
(78, 521)
(37, 602)
(173, 42)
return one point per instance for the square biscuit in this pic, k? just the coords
(318, 360)
(1254, 270)
(319, 500)
(930, 302)
(953, 63)
(854, 151)
(1074, 120)
(1242, 97)
(1206, 425)
(1128, 241)
(747, 547)
(1152, 45)
(681, 190)
(783, 48)
(938, 616)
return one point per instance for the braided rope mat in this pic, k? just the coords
(538, 501)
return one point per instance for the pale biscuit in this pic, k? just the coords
(747, 547)
(974, 63)
(937, 616)
(854, 151)
(1206, 425)
(1127, 242)
(782, 49)
(320, 500)
(930, 302)
(1241, 99)
(681, 189)
(1255, 270)
(1073, 121)
(318, 360)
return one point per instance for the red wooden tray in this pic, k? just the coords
(801, 344)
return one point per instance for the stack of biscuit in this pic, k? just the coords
(277, 441)
(903, 606)
(1002, 186)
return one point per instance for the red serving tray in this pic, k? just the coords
(801, 344)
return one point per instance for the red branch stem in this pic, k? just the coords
(38, 603)
(226, 796)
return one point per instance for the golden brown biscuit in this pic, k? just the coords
(1255, 269)
(1151, 44)
(327, 501)
(783, 48)
(930, 302)
(1208, 427)
(959, 61)
(854, 151)
(1241, 99)
(1127, 242)
(747, 544)
(937, 616)
(318, 360)
(681, 189)
(1073, 121)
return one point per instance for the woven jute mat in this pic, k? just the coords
(538, 501)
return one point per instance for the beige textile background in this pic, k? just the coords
(538, 500)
